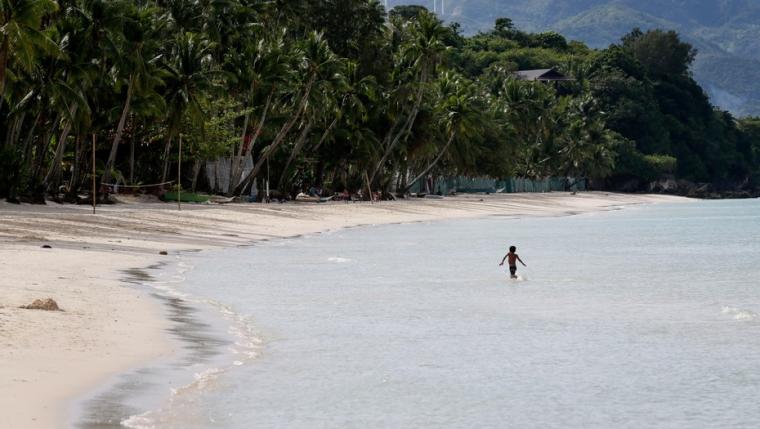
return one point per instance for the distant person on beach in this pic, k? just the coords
(513, 258)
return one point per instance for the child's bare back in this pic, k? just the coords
(512, 258)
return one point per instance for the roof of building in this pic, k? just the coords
(541, 75)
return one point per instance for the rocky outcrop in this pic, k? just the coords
(703, 190)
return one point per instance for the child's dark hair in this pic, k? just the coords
(512, 249)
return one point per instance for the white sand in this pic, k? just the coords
(48, 358)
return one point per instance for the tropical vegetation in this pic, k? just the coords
(724, 31)
(338, 95)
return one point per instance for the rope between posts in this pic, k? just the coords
(113, 185)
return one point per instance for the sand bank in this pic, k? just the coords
(48, 358)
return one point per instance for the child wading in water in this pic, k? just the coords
(513, 258)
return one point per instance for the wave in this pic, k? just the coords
(338, 260)
(245, 347)
(739, 313)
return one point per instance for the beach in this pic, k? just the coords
(107, 327)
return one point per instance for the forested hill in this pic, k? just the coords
(726, 33)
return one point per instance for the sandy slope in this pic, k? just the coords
(46, 358)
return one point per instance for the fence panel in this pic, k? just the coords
(510, 185)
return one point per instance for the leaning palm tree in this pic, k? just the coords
(136, 68)
(268, 69)
(72, 83)
(419, 53)
(316, 61)
(323, 112)
(460, 110)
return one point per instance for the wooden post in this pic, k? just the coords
(94, 191)
(179, 175)
(132, 156)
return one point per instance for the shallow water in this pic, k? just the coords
(645, 317)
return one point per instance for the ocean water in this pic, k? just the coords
(642, 317)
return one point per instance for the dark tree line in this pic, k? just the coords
(335, 94)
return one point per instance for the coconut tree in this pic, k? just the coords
(460, 110)
(530, 109)
(323, 111)
(136, 69)
(586, 147)
(21, 36)
(315, 61)
(268, 69)
(349, 143)
(188, 77)
(419, 52)
(89, 33)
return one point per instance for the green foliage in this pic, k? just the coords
(334, 92)
(724, 31)
(647, 168)
(661, 53)
(661, 164)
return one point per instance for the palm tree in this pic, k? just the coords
(419, 53)
(188, 79)
(460, 111)
(324, 110)
(316, 61)
(586, 146)
(20, 35)
(529, 108)
(89, 33)
(268, 68)
(136, 67)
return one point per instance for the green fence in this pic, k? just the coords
(510, 185)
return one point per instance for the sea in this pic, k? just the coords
(645, 317)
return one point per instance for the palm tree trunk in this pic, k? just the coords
(326, 133)
(249, 149)
(76, 172)
(26, 149)
(4, 49)
(432, 164)
(11, 126)
(167, 148)
(18, 124)
(278, 139)
(106, 178)
(59, 151)
(296, 150)
(44, 146)
(393, 142)
(405, 129)
(404, 179)
(236, 162)
(196, 172)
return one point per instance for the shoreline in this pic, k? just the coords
(51, 358)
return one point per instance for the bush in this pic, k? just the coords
(661, 164)
(648, 168)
